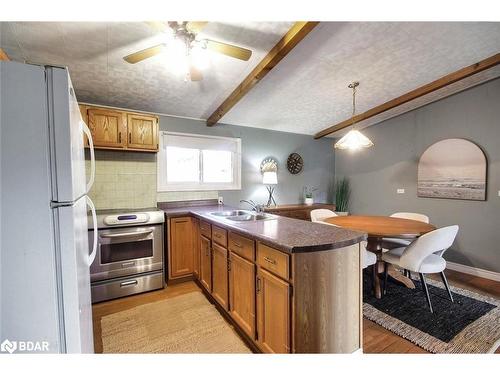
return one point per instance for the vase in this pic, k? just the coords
(309, 201)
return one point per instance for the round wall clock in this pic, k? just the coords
(294, 163)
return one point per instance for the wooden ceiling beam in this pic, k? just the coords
(296, 33)
(414, 94)
(4, 56)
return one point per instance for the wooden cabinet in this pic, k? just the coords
(108, 128)
(220, 275)
(196, 244)
(298, 211)
(205, 263)
(114, 129)
(181, 249)
(142, 132)
(273, 313)
(242, 293)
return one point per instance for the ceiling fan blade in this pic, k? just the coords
(229, 49)
(196, 27)
(195, 74)
(158, 26)
(144, 54)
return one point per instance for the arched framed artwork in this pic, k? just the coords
(454, 169)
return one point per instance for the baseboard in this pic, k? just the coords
(473, 271)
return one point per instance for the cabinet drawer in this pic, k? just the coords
(273, 260)
(219, 236)
(242, 246)
(205, 229)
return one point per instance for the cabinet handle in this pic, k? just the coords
(119, 137)
(217, 235)
(182, 221)
(228, 265)
(237, 244)
(269, 260)
(257, 280)
(129, 137)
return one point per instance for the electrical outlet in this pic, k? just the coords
(499, 193)
(400, 191)
(221, 200)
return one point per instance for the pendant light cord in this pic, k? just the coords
(353, 87)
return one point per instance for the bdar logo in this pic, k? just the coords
(8, 346)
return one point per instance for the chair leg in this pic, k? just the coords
(445, 282)
(386, 266)
(424, 286)
(374, 275)
(409, 274)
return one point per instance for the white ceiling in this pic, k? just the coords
(305, 93)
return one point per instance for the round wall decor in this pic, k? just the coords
(294, 163)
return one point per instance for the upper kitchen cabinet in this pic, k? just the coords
(108, 128)
(119, 130)
(142, 132)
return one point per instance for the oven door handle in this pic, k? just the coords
(126, 234)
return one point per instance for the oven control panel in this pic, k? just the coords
(135, 218)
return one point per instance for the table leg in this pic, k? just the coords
(398, 276)
(374, 245)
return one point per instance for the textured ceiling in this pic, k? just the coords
(94, 54)
(308, 91)
(305, 93)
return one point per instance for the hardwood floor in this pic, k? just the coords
(376, 339)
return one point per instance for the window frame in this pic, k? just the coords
(164, 186)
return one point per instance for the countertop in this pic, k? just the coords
(285, 234)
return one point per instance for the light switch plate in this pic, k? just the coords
(499, 193)
(221, 200)
(400, 191)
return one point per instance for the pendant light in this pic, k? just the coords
(354, 139)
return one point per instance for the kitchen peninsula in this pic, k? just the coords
(287, 285)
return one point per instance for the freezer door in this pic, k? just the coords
(66, 138)
(74, 276)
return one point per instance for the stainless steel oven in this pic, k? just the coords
(129, 256)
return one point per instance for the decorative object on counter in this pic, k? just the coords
(308, 195)
(294, 163)
(342, 196)
(270, 179)
(354, 139)
(454, 169)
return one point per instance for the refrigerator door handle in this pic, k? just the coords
(87, 132)
(94, 221)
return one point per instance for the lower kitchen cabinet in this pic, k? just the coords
(220, 275)
(181, 249)
(273, 313)
(205, 263)
(242, 293)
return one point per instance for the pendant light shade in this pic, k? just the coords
(354, 139)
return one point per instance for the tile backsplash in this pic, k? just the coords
(128, 180)
(123, 179)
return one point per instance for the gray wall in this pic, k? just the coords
(257, 144)
(376, 173)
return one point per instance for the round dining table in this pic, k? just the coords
(378, 228)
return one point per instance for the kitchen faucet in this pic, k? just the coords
(256, 207)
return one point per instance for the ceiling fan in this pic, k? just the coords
(184, 38)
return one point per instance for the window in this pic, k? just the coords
(197, 162)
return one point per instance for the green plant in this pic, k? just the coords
(342, 195)
(308, 191)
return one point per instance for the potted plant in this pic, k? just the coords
(308, 195)
(342, 195)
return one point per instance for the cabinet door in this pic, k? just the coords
(142, 132)
(181, 247)
(196, 238)
(220, 275)
(242, 293)
(205, 263)
(108, 128)
(273, 313)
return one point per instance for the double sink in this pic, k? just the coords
(242, 215)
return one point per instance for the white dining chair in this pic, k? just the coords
(424, 255)
(320, 214)
(391, 243)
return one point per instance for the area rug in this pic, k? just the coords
(182, 324)
(469, 325)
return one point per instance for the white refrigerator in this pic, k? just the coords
(44, 254)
